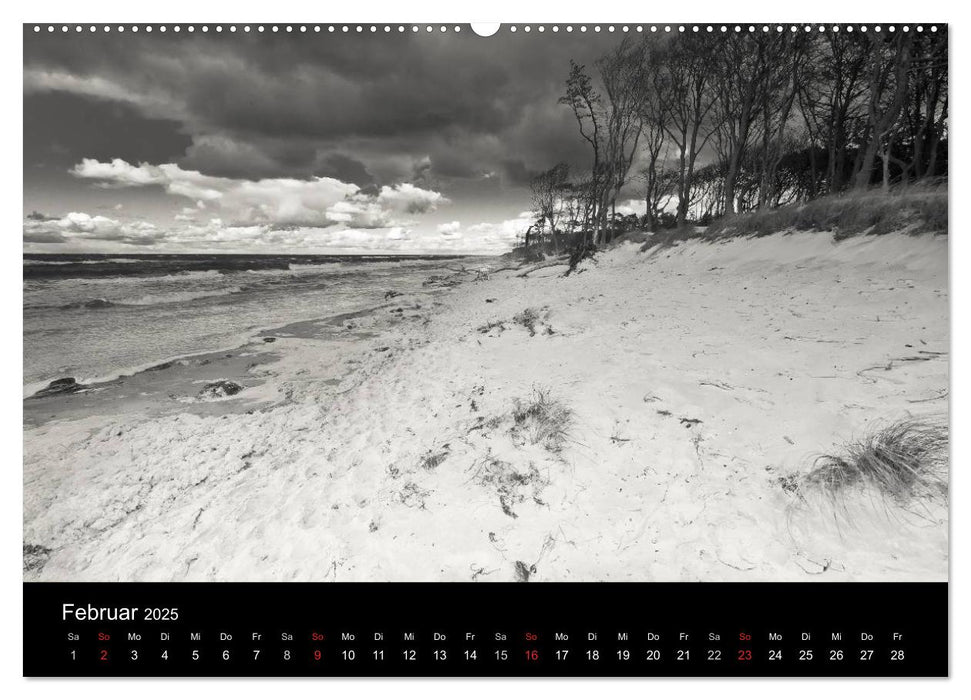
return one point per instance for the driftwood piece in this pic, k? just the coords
(540, 266)
(506, 269)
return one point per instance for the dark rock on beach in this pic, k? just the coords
(65, 385)
(220, 389)
(35, 556)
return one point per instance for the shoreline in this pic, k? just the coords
(243, 338)
(251, 337)
(415, 464)
(260, 347)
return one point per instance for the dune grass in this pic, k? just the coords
(914, 209)
(528, 318)
(531, 318)
(905, 462)
(542, 420)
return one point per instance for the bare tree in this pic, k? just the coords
(610, 122)
(925, 117)
(587, 106)
(754, 120)
(548, 189)
(660, 188)
(623, 73)
(692, 99)
(578, 202)
(831, 98)
(743, 67)
(889, 64)
(656, 178)
(785, 55)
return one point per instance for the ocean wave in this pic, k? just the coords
(93, 303)
(191, 274)
(147, 266)
(156, 299)
(32, 261)
(87, 304)
(322, 267)
(69, 282)
(178, 297)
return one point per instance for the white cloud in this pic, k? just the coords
(362, 213)
(188, 214)
(79, 225)
(485, 237)
(215, 234)
(450, 230)
(272, 215)
(79, 222)
(386, 209)
(501, 234)
(118, 172)
(276, 202)
(409, 199)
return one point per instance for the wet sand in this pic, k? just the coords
(175, 386)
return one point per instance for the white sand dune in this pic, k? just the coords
(697, 376)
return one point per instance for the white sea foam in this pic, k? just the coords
(97, 329)
(177, 297)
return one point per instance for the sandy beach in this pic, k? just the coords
(397, 445)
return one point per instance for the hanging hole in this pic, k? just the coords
(485, 28)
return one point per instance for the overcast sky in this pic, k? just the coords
(238, 142)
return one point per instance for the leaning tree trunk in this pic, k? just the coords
(885, 155)
(865, 173)
(881, 124)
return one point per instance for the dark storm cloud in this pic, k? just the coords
(361, 108)
(516, 170)
(60, 128)
(342, 167)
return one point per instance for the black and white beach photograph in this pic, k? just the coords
(567, 303)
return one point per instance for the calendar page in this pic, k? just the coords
(485, 350)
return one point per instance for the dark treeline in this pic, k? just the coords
(700, 126)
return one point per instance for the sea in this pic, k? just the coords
(97, 317)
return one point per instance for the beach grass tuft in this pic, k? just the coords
(530, 317)
(904, 462)
(542, 420)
